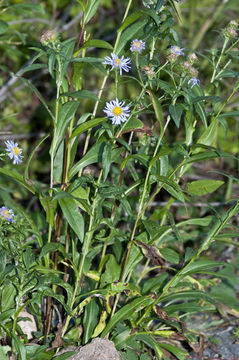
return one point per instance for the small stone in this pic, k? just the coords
(98, 349)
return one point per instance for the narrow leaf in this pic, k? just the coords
(203, 187)
(126, 311)
(71, 211)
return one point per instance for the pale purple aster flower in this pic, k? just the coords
(137, 45)
(116, 111)
(176, 50)
(6, 214)
(116, 62)
(194, 81)
(14, 152)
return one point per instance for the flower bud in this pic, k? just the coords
(193, 72)
(231, 32)
(186, 65)
(50, 36)
(192, 58)
(233, 24)
(172, 57)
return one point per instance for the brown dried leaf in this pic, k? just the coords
(152, 253)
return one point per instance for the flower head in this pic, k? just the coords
(137, 45)
(193, 72)
(231, 32)
(194, 81)
(14, 152)
(116, 62)
(116, 111)
(6, 214)
(192, 58)
(50, 36)
(176, 50)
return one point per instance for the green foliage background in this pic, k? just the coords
(188, 212)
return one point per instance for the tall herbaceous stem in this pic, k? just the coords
(116, 82)
(138, 68)
(152, 49)
(85, 250)
(140, 212)
(58, 86)
(103, 85)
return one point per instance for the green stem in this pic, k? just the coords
(219, 59)
(103, 86)
(152, 49)
(85, 251)
(140, 212)
(116, 82)
(138, 68)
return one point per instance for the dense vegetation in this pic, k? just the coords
(119, 174)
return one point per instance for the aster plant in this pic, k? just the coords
(108, 242)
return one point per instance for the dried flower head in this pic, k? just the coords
(149, 71)
(233, 24)
(231, 32)
(193, 71)
(50, 36)
(186, 65)
(192, 58)
(173, 57)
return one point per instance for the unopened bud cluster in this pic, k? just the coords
(51, 39)
(231, 29)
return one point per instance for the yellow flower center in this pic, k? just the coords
(137, 44)
(16, 151)
(7, 214)
(117, 61)
(176, 48)
(117, 111)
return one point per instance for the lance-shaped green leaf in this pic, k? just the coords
(72, 214)
(19, 346)
(19, 178)
(144, 159)
(66, 52)
(209, 135)
(201, 265)
(171, 187)
(203, 187)
(91, 8)
(90, 319)
(97, 44)
(87, 126)
(92, 156)
(131, 19)
(176, 113)
(151, 342)
(126, 312)
(66, 114)
(129, 33)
